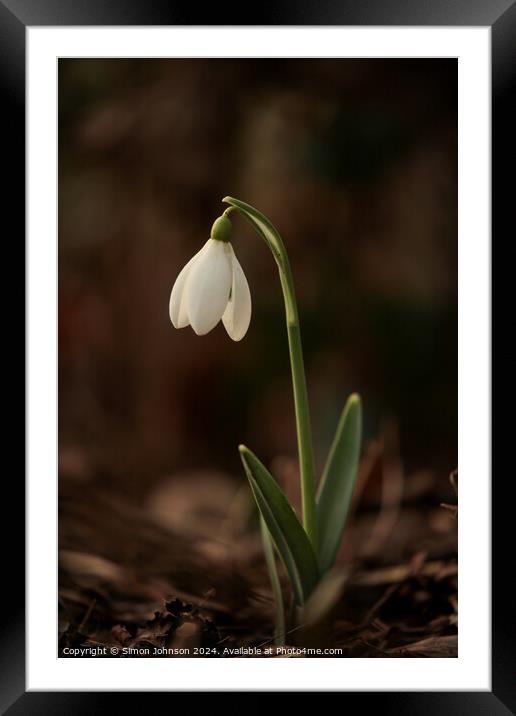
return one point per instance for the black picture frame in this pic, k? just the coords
(15, 16)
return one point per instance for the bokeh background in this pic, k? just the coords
(355, 161)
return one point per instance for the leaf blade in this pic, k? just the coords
(270, 560)
(288, 535)
(338, 482)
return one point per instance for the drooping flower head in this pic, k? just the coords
(212, 286)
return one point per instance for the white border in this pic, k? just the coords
(471, 670)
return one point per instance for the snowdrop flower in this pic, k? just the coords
(212, 286)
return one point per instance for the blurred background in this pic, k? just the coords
(355, 162)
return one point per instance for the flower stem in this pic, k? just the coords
(270, 559)
(304, 436)
(272, 238)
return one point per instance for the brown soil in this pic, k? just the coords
(182, 570)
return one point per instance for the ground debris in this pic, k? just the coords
(131, 588)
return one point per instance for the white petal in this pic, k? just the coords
(207, 288)
(237, 315)
(176, 306)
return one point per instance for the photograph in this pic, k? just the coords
(257, 357)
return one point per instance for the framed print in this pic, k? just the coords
(258, 263)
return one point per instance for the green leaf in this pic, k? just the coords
(338, 482)
(270, 560)
(324, 597)
(290, 539)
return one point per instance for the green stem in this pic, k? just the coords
(272, 238)
(270, 559)
(304, 436)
